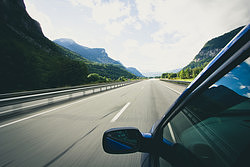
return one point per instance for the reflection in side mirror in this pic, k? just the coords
(122, 140)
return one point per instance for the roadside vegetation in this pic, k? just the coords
(186, 74)
(96, 78)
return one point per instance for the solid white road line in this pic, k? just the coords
(42, 113)
(120, 113)
(21, 108)
(172, 89)
(64, 106)
(171, 132)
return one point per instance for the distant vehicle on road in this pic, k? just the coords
(208, 125)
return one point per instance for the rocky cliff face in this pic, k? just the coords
(93, 54)
(212, 48)
(206, 54)
(98, 55)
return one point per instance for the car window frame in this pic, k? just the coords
(234, 53)
(229, 70)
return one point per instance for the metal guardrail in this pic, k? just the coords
(17, 99)
(178, 82)
(15, 94)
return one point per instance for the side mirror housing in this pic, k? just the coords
(122, 140)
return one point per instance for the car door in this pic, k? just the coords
(214, 124)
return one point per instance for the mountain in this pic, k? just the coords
(98, 55)
(212, 48)
(113, 71)
(134, 71)
(28, 60)
(206, 54)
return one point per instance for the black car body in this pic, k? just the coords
(208, 125)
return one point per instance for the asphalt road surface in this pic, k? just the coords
(70, 134)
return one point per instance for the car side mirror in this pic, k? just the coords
(122, 140)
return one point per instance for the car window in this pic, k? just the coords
(215, 125)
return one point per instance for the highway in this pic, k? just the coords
(70, 134)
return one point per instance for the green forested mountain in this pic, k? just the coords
(112, 71)
(212, 48)
(97, 55)
(31, 61)
(206, 54)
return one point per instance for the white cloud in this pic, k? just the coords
(247, 95)
(82, 2)
(130, 43)
(138, 26)
(186, 25)
(114, 14)
(104, 13)
(242, 86)
(114, 28)
(152, 56)
(198, 16)
(145, 9)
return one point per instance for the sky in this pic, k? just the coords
(151, 35)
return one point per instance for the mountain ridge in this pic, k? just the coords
(212, 48)
(31, 61)
(133, 70)
(98, 55)
(93, 54)
(205, 55)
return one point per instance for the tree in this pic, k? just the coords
(172, 75)
(187, 73)
(94, 77)
(196, 71)
(164, 75)
(122, 78)
(181, 74)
